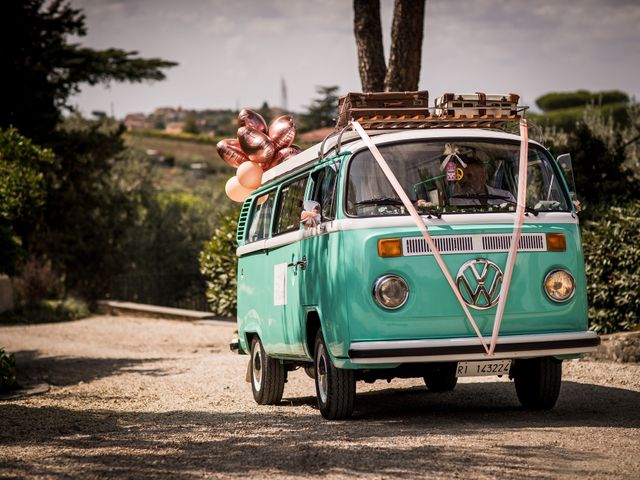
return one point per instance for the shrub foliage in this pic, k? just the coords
(219, 264)
(7, 370)
(612, 262)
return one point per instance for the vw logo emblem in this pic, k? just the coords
(479, 283)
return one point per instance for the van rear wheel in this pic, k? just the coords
(538, 382)
(335, 387)
(268, 375)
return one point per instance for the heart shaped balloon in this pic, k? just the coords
(256, 145)
(231, 152)
(282, 155)
(282, 131)
(251, 119)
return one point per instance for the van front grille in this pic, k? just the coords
(447, 244)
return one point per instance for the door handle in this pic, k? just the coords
(301, 263)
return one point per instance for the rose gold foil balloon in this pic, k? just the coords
(282, 131)
(231, 152)
(282, 155)
(256, 145)
(249, 118)
(235, 191)
(249, 175)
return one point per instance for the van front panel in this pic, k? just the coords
(433, 311)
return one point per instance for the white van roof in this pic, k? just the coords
(351, 142)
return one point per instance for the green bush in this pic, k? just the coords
(612, 261)
(219, 264)
(47, 311)
(7, 370)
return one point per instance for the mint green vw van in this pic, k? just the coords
(356, 295)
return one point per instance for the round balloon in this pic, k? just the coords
(235, 191)
(249, 118)
(282, 155)
(282, 131)
(231, 152)
(256, 145)
(249, 175)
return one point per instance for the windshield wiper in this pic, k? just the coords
(379, 201)
(490, 196)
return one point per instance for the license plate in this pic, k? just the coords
(483, 367)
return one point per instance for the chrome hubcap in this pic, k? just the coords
(256, 367)
(321, 374)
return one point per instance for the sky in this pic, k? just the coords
(235, 53)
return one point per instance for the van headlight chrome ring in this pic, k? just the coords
(390, 291)
(559, 285)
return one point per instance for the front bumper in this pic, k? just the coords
(470, 348)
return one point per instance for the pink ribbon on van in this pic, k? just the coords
(520, 209)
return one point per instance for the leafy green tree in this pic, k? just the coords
(219, 265)
(94, 192)
(42, 69)
(581, 98)
(323, 110)
(22, 193)
(190, 125)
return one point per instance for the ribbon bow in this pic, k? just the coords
(451, 151)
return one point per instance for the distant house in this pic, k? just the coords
(174, 127)
(137, 121)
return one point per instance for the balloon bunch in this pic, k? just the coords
(257, 149)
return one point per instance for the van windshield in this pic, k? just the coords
(456, 176)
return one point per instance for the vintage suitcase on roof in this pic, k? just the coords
(476, 104)
(368, 105)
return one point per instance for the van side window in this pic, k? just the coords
(289, 206)
(261, 218)
(324, 191)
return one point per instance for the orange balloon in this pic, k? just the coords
(282, 131)
(256, 145)
(282, 155)
(231, 152)
(249, 175)
(235, 191)
(251, 119)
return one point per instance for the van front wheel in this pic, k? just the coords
(538, 382)
(335, 387)
(268, 375)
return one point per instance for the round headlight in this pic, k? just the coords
(390, 291)
(559, 285)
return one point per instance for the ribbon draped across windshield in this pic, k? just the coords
(517, 227)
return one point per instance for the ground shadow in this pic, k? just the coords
(394, 433)
(63, 370)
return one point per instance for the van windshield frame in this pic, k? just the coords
(433, 171)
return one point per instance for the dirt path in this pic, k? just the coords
(141, 398)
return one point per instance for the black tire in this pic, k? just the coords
(335, 387)
(538, 382)
(441, 377)
(268, 375)
(441, 381)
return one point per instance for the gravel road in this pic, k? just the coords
(146, 398)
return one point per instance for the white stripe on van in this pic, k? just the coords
(401, 221)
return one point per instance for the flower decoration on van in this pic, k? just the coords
(256, 149)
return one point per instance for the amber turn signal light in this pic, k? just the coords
(390, 247)
(556, 242)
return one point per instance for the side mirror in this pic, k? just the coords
(564, 161)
